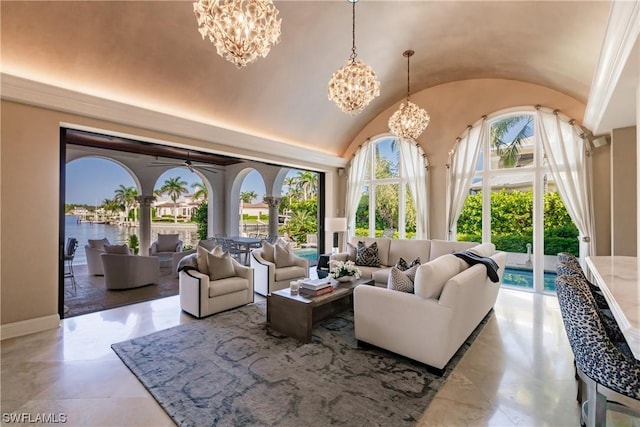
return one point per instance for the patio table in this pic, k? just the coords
(246, 243)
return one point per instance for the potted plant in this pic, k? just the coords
(344, 271)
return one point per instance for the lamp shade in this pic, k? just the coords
(335, 224)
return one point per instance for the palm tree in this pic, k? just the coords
(248, 196)
(126, 196)
(308, 182)
(200, 191)
(508, 146)
(174, 188)
(110, 206)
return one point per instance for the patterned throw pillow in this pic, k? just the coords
(367, 256)
(402, 280)
(402, 264)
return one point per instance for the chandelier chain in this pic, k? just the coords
(353, 34)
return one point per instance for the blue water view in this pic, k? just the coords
(118, 235)
(524, 278)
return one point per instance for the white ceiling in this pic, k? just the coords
(150, 54)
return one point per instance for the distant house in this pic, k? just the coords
(260, 210)
(186, 206)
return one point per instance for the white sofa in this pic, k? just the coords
(200, 296)
(449, 301)
(391, 250)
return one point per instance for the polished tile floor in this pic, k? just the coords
(518, 372)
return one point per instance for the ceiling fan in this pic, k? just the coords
(188, 163)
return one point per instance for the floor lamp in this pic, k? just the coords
(336, 225)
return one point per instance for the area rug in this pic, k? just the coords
(231, 370)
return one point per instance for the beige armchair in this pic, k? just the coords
(166, 245)
(93, 250)
(129, 271)
(200, 296)
(271, 274)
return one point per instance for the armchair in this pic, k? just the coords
(274, 270)
(200, 296)
(93, 250)
(166, 245)
(129, 271)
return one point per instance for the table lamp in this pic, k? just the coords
(337, 225)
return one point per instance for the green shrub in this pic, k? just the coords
(134, 243)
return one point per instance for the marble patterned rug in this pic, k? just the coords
(231, 370)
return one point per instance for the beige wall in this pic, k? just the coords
(452, 108)
(29, 224)
(623, 192)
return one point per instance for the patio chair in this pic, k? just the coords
(166, 245)
(125, 270)
(93, 249)
(69, 253)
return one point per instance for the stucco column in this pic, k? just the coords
(273, 203)
(145, 223)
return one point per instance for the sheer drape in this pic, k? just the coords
(414, 170)
(462, 166)
(569, 158)
(355, 185)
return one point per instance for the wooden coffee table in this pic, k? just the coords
(294, 315)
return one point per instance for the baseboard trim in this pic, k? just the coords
(31, 326)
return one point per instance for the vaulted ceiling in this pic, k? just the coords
(150, 54)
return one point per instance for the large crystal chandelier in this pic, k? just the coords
(241, 30)
(410, 120)
(353, 86)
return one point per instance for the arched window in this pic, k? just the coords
(387, 190)
(519, 179)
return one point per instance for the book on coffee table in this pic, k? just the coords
(309, 293)
(315, 284)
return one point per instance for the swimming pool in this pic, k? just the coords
(308, 253)
(514, 276)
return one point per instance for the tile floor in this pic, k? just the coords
(519, 371)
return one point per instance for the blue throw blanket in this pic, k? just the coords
(472, 258)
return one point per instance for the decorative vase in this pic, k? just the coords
(345, 279)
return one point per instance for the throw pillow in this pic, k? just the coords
(367, 256)
(117, 249)
(402, 264)
(220, 266)
(351, 252)
(284, 257)
(402, 280)
(485, 249)
(201, 257)
(268, 251)
(98, 243)
(432, 276)
(167, 242)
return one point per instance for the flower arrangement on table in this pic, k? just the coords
(343, 270)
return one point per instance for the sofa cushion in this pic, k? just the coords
(367, 255)
(351, 252)
(408, 250)
(403, 265)
(379, 275)
(288, 273)
(98, 243)
(227, 286)
(432, 276)
(167, 242)
(283, 256)
(485, 249)
(220, 266)
(443, 247)
(402, 280)
(117, 249)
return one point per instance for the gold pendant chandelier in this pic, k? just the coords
(409, 121)
(355, 85)
(241, 30)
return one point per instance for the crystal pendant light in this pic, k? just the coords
(241, 30)
(410, 120)
(355, 85)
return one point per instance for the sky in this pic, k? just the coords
(91, 180)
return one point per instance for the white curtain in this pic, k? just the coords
(569, 158)
(415, 171)
(355, 185)
(462, 166)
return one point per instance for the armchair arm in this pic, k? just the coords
(244, 272)
(194, 291)
(302, 262)
(154, 248)
(179, 246)
(264, 272)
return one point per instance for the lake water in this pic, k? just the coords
(119, 235)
